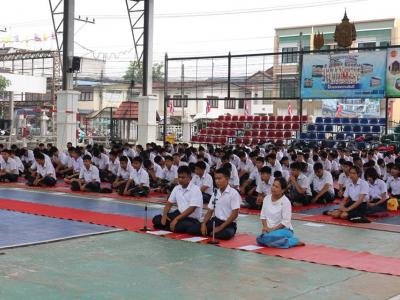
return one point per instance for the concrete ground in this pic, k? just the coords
(126, 265)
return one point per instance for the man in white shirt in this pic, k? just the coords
(393, 183)
(169, 176)
(273, 163)
(189, 201)
(124, 171)
(249, 186)
(89, 178)
(75, 164)
(113, 166)
(101, 161)
(299, 186)
(322, 185)
(203, 180)
(45, 172)
(245, 166)
(138, 184)
(155, 173)
(264, 183)
(8, 167)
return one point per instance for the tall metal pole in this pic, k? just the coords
(68, 44)
(165, 98)
(148, 47)
(229, 74)
(300, 79)
(386, 115)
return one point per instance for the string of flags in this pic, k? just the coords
(8, 39)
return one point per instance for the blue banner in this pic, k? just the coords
(344, 75)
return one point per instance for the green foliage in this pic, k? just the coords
(3, 83)
(135, 72)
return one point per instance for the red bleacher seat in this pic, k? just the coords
(235, 118)
(279, 126)
(287, 119)
(287, 126)
(272, 119)
(242, 118)
(210, 131)
(279, 142)
(239, 140)
(296, 118)
(224, 132)
(233, 125)
(231, 132)
(246, 141)
(225, 125)
(255, 134)
(279, 119)
(221, 118)
(263, 134)
(249, 118)
(305, 119)
(263, 141)
(271, 126)
(228, 118)
(240, 125)
(209, 140)
(222, 141)
(271, 135)
(247, 133)
(263, 126)
(279, 134)
(217, 132)
(218, 125)
(287, 135)
(257, 119)
(215, 140)
(255, 141)
(264, 118)
(296, 126)
(210, 125)
(203, 131)
(256, 126)
(202, 139)
(195, 138)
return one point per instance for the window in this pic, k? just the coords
(288, 57)
(289, 88)
(385, 44)
(230, 104)
(86, 96)
(367, 45)
(241, 104)
(213, 101)
(180, 101)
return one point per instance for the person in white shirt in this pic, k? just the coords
(356, 195)
(276, 215)
(113, 166)
(138, 184)
(343, 177)
(89, 177)
(378, 194)
(322, 185)
(75, 164)
(250, 185)
(169, 177)
(177, 160)
(27, 158)
(234, 180)
(19, 162)
(101, 161)
(189, 201)
(223, 209)
(393, 183)
(264, 183)
(155, 173)
(273, 163)
(8, 167)
(245, 166)
(45, 173)
(60, 160)
(299, 192)
(203, 180)
(124, 171)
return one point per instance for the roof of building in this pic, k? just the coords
(128, 110)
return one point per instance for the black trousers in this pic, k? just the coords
(134, 190)
(295, 196)
(359, 211)
(46, 181)
(93, 187)
(226, 234)
(9, 177)
(182, 226)
(103, 174)
(166, 185)
(206, 198)
(252, 202)
(325, 198)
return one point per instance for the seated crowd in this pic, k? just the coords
(271, 179)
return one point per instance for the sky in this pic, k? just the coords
(181, 27)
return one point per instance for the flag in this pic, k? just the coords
(339, 110)
(246, 108)
(171, 106)
(208, 107)
(37, 38)
(290, 109)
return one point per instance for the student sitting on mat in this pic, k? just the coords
(138, 183)
(299, 192)
(343, 177)
(8, 167)
(124, 171)
(378, 194)
(169, 175)
(89, 178)
(250, 185)
(75, 165)
(227, 204)
(101, 161)
(264, 184)
(203, 181)
(154, 171)
(393, 182)
(113, 166)
(276, 215)
(354, 204)
(189, 201)
(234, 180)
(45, 172)
(322, 185)
(20, 165)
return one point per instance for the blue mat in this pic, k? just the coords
(17, 229)
(79, 203)
(391, 220)
(318, 210)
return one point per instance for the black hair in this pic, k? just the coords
(266, 170)
(371, 172)
(318, 166)
(283, 183)
(357, 169)
(201, 165)
(87, 157)
(39, 155)
(168, 157)
(278, 174)
(185, 170)
(224, 171)
(123, 158)
(147, 163)
(296, 166)
(137, 159)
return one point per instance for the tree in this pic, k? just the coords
(135, 72)
(4, 82)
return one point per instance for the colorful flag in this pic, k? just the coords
(171, 106)
(290, 109)
(208, 107)
(37, 38)
(246, 108)
(339, 110)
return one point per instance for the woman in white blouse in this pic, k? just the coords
(276, 214)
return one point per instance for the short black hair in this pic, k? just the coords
(137, 159)
(123, 158)
(296, 166)
(283, 183)
(318, 166)
(87, 157)
(169, 157)
(223, 171)
(39, 155)
(201, 165)
(266, 170)
(185, 170)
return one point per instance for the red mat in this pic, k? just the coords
(362, 261)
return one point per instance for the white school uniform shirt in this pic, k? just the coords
(63, 158)
(327, 165)
(246, 166)
(187, 197)
(255, 174)
(125, 173)
(394, 185)
(215, 161)
(234, 179)
(377, 189)
(76, 164)
(205, 180)
(277, 212)
(140, 177)
(29, 158)
(89, 174)
(335, 166)
(383, 173)
(265, 187)
(20, 165)
(10, 166)
(101, 162)
(192, 159)
(208, 156)
(318, 183)
(46, 170)
(304, 183)
(113, 166)
(225, 203)
(235, 160)
(170, 174)
(46, 158)
(158, 170)
(276, 167)
(129, 153)
(279, 155)
(353, 191)
(343, 179)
